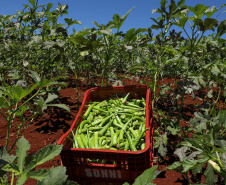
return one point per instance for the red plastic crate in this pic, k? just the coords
(129, 164)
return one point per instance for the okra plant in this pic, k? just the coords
(16, 100)
(23, 166)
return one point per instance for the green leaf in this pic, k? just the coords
(5, 157)
(84, 53)
(181, 22)
(126, 183)
(181, 152)
(131, 35)
(56, 176)
(39, 174)
(222, 117)
(224, 94)
(197, 169)
(174, 131)
(200, 24)
(159, 24)
(157, 142)
(106, 31)
(51, 97)
(21, 151)
(21, 180)
(47, 82)
(210, 177)
(48, 44)
(222, 144)
(221, 28)
(43, 155)
(210, 93)
(156, 27)
(11, 167)
(215, 70)
(35, 76)
(198, 10)
(70, 183)
(32, 2)
(162, 2)
(49, 6)
(162, 150)
(3, 102)
(94, 22)
(210, 23)
(165, 139)
(28, 91)
(175, 165)
(117, 21)
(62, 106)
(188, 164)
(39, 14)
(209, 12)
(47, 153)
(202, 82)
(146, 177)
(27, 6)
(70, 22)
(180, 3)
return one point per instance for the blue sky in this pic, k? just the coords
(102, 11)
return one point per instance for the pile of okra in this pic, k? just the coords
(114, 124)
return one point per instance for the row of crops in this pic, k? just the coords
(37, 55)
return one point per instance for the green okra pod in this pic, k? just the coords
(142, 146)
(124, 128)
(119, 120)
(90, 117)
(84, 140)
(80, 143)
(133, 132)
(113, 138)
(75, 144)
(125, 99)
(101, 140)
(96, 122)
(131, 144)
(89, 110)
(104, 129)
(115, 123)
(105, 120)
(96, 140)
(138, 138)
(83, 123)
(126, 148)
(90, 129)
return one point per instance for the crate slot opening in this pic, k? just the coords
(101, 162)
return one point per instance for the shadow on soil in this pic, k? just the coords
(56, 119)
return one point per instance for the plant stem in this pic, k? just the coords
(12, 178)
(29, 99)
(154, 89)
(187, 178)
(106, 61)
(7, 135)
(19, 132)
(76, 80)
(214, 103)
